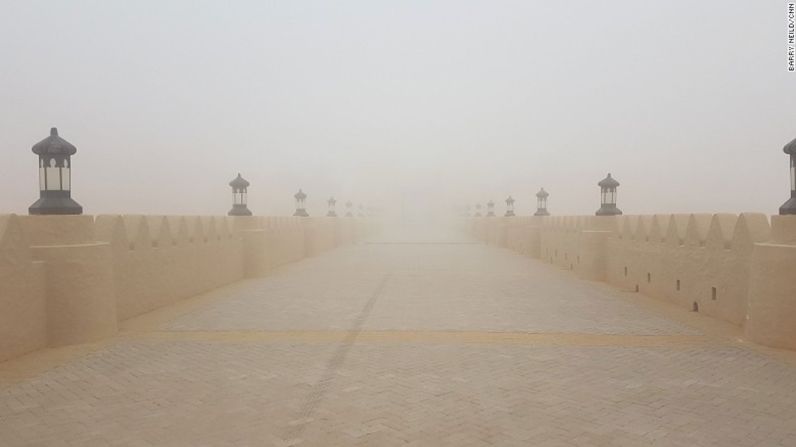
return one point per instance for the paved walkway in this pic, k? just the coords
(407, 341)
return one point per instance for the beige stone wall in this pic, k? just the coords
(23, 311)
(71, 279)
(735, 268)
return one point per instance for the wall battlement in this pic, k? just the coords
(737, 268)
(71, 279)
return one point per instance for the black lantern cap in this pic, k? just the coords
(300, 195)
(54, 145)
(542, 194)
(509, 200)
(239, 182)
(331, 201)
(790, 148)
(608, 182)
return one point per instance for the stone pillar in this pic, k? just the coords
(771, 318)
(81, 303)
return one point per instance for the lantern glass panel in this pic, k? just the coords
(53, 176)
(42, 176)
(793, 173)
(66, 178)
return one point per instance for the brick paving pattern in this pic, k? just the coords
(406, 342)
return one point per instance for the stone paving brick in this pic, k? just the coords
(401, 344)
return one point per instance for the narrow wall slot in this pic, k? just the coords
(713, 294)
(695, 307)
(649, 277)
(678, 285)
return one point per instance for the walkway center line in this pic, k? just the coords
(334, 363)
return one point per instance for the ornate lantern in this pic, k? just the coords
(608, 197)
(55, 176)
(490, 209)
(331, 203)
(300, 198)
(239, 197)
(509, 207)
(541, 203)
(477, 210)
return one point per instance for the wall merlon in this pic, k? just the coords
(720, 231)
(163, 236)
(111, 229)
(628, 227)
(676, 230)
(696, 230)
(142, 234)
(750, 228)
(641, 233)
(657, 231)
(14, 245)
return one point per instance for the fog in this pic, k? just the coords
(417, 106)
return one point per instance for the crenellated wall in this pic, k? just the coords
(737, 268)
(158, 260)
(71, 279)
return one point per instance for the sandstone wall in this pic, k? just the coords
(737, 268)
(23, 313)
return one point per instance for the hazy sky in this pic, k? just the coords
(687, 103)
